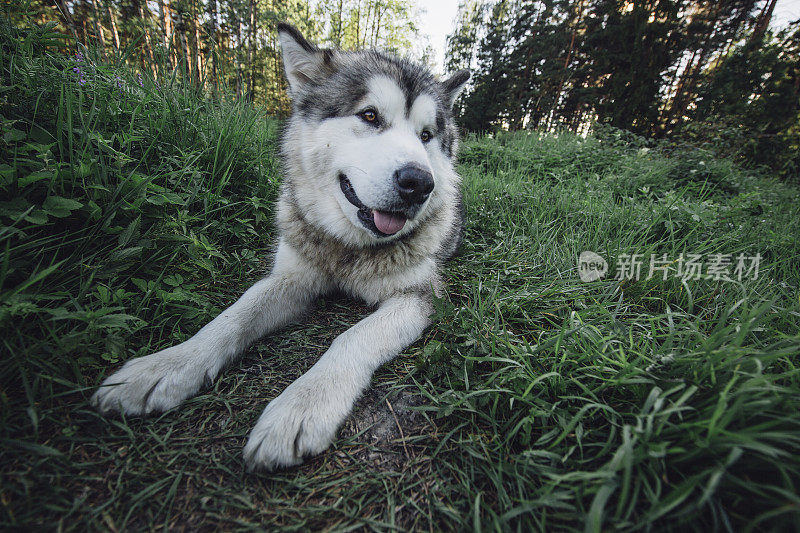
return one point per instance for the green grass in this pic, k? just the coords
(131, 215)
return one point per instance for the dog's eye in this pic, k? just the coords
(369, 115)
(426, 136)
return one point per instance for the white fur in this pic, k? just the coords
(369, 159)
(304, 418)
(385, 95)
(162, 380)
(422, 114)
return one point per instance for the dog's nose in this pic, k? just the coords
(413, 183)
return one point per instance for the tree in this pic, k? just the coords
(251, 48)
(165, 20)
(486, 105)
(749, 103)
(212, 41)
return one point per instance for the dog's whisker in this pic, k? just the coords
(347, 167)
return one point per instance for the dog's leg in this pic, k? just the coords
(304, 418)
(162, 380)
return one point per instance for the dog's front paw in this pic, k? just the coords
(153, 383)
(301, 421)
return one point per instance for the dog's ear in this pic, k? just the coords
(302, 60)
(454, 84)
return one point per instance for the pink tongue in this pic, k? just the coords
(388, 223)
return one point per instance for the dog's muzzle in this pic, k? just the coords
(413, 186)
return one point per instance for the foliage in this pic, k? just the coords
(132, 213)
(105, 175)
(659, 68)
(629, 405)
(749, 105)
(221, 45)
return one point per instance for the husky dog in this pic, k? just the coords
(370, 205)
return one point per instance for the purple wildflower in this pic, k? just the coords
(141, 84)
(80, 59)
(119, 81)
(79, 72)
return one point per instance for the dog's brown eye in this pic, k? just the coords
(425, 136)
(369, 115)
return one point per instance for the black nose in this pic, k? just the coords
(413, 183)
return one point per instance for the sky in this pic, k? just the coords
(438, 18)
(786, 11)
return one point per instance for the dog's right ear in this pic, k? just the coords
(302, 60)
(455, 84)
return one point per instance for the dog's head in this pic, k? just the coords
(371, 142)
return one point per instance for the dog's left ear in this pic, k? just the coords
(302, 60)
(454, 84)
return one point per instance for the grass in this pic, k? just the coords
(132, 214)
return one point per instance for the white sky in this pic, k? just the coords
(786, 11)
(438, 18)
(436, 21)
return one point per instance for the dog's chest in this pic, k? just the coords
(369, 272)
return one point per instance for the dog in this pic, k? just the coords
(370, 205)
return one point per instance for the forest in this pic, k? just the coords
(710, 73)
(227, 46)
(706, 72)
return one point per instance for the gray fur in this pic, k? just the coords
(339, 178)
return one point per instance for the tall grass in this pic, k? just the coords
(629, 403)
(133, 212)
(106, 177)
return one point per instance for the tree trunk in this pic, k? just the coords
(363, 42)
(762, 23)
(251, 49)
(113, 22)
(82, 35)
(575, 26)
(689, 77)
(237, 57)
(148, 49)
(339, 25)
(98, 28)
(378, 15)
(184, 43)
(66, 15)
(212, 53)
(358, 22)
(165, 19)
(198, 57)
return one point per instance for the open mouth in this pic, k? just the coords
(383, 223)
